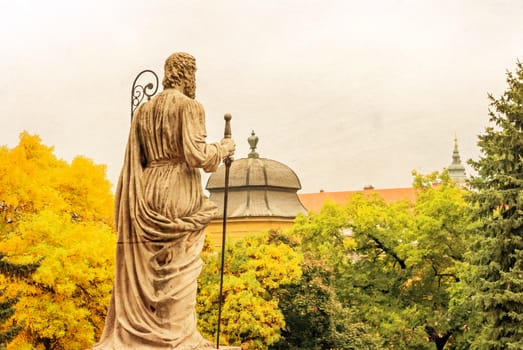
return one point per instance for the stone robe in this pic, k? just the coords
(160, 215)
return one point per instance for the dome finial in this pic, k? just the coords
(253, 142)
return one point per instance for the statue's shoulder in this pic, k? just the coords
(192, 103)
(182, 99)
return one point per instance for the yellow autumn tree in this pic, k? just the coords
(59, 214)
(255, 268)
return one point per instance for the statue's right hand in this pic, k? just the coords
(228, 146)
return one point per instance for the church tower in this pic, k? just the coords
(456, 169)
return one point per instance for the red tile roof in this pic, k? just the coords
(314, 201)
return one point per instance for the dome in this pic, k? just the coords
(255, 172)
(258, 187)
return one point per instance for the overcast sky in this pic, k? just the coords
(346, 93)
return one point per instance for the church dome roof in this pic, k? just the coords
(257, 187)
(255, 172)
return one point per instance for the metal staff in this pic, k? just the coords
(227, 162)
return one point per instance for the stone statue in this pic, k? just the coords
(160, 214)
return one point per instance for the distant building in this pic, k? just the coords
(262, 196)
(314, 201)
(456, 169)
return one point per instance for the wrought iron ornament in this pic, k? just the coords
(139, 91)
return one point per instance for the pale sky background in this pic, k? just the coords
(346, 93)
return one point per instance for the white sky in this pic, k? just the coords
(347, 93)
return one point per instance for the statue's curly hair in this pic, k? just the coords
(179, 67)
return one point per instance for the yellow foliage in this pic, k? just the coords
(85, 193)
(32, 179)
(255, 269)
(409, 282)
(61, 215)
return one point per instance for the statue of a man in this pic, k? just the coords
(161, 212)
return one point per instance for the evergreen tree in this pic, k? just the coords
(7, 309)
(496, 259)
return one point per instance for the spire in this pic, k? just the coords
(456, 159)
(253, 142)
(456, 169)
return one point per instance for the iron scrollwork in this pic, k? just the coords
(139, 91)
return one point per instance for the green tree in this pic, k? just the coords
(394, 264)
(255, 267)
(381, 274)
(7, 309)
(496, 259)
(59, 214)
(442, 223)
(314, 317)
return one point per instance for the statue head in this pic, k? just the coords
(180, 69)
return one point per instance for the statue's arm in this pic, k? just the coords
(197, 152)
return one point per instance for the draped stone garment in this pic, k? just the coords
(160, 215)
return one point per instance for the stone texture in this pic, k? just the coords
(161, 213)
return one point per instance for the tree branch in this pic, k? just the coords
(388, 251)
